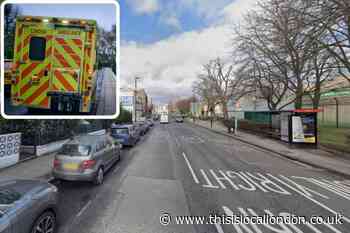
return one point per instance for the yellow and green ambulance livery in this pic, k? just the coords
(53, 64)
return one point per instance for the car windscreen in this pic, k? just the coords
(7, 198)
(75, 150)
(120, 131)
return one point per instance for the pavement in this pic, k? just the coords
(181, 170)
(314, 157)
(37, 168)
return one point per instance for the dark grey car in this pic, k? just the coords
(27, 206)
(86, 158)
(141, 127)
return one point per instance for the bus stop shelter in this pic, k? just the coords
(299, 126)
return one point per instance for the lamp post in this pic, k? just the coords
(135, 98)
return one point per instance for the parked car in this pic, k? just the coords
(150, 122)
(86, 158)
(27, 205)
(141, 127)
(156, 117)
(179, 119)
(125, 134)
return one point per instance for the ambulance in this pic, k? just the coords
(54, 64)
(8, 73)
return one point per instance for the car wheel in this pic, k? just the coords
(46, 223)
(99, 176)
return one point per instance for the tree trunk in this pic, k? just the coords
(298, 104)
(224, 109)
(317, 95)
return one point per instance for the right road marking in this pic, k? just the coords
(306, 196)
(191, 169)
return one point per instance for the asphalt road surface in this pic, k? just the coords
(182, 170)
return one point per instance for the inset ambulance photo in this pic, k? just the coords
(59, 59)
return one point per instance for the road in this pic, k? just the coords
(183, 170)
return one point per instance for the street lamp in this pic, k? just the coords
(135, 97)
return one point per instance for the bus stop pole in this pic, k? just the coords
(236, 125)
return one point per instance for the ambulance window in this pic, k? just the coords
(37, 48)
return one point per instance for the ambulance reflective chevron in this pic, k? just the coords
(53, 65)
(8, 73)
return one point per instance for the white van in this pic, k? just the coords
(164, 119)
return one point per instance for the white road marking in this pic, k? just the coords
(191, 169)
(84, 208)
(328, 185)
(208, 184)
(307, 197)
(218, 228)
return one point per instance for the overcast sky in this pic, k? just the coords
(166, 42)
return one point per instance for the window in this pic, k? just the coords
(7, 198)
(120, 131)
(37, 48)
(100, 145)
(75, 150)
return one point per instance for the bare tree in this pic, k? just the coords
(333, 20)
(218, 84)
(323, 66)
(260, 73)
(280, 41)
(203, 88)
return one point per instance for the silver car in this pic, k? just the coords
(27, 206)
(86, 158)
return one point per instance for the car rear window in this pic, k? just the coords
(75, 150)
(120, 131)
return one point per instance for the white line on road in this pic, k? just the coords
(84, 208)
(307, 197)
(191, 169)
(218, 228)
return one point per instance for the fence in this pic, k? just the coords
(335, 113)
(40, 132)
(264, 122)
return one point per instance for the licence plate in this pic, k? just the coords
(71, 166)
(120, 140)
